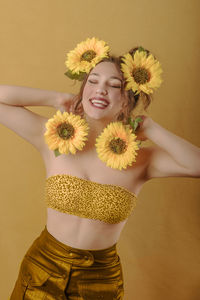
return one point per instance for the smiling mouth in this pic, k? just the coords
(98, 104)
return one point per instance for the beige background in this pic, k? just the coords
(160, 245)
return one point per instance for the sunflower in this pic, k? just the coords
(116, 146)
(66, 133)
(86, 55)
(141, 72)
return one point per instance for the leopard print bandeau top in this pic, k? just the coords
(87, 199)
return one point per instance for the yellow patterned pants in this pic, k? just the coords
(51, 270)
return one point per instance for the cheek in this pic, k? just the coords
(86, 91)
(117, 96)
(116, 92)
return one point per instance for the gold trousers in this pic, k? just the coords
(51, 270)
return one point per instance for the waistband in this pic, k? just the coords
(47, 243)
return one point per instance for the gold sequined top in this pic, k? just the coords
(84, 198)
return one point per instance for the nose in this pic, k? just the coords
(101, 91)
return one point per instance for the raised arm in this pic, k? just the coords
(172, 156)
(27, 96)
(27, 124)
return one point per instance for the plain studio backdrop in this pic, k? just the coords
(160, 244)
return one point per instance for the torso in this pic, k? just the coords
(85, 233)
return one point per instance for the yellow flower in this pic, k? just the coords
(116, 146)
(86, 55)
(141, 72)
(66, 133)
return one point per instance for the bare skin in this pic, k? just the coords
(87, 233)
(81, 232)
(72, 230)
(172, 156)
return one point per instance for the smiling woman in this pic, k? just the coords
(103, 87)
(90, 195)
(130, 99)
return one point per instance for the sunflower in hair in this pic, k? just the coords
(116, 146)
(66, 133)
(141, 72)
(86, 55)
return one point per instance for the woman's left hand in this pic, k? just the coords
(142, 126)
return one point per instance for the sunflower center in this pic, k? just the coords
(88, 55)
(117, 145)
(65, 131)
(140, 75)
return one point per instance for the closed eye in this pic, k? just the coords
(114, 86)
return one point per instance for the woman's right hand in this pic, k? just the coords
(64, 102)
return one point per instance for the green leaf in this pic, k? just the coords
(131, 123)
(56, 152)
(75, 76)
(134, 124)
(140, 49)
(137, 121)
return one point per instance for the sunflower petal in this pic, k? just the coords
(95, 51)
(64, 146)
(116, 130)
(151, 66)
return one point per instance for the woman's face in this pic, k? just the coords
(103, 87)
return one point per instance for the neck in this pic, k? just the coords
(96, 127)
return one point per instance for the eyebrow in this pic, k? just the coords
(114, 77)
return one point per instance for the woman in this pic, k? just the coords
(88, 196)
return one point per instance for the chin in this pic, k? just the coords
(97, 114)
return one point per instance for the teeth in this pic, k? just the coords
(99, 105)
(100, 102)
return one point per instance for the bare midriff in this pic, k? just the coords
(82, 233)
